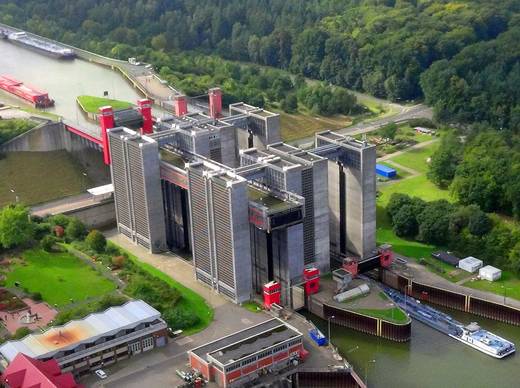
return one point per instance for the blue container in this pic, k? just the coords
(318, 337)
(385, 171)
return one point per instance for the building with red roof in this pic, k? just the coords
(27, 372)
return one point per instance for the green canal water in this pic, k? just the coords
(430, 359)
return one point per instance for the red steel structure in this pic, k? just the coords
(215, 102)
(311, 277)
(106, 120)
(145, 108)
(272, 293)
(181, 105)
(38, 98)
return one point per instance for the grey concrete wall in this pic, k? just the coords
(321, 215)
(99, 215)
(228, 143)
(334, 209)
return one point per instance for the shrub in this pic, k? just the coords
(118, 261)
(96, 241)
(76, 230)
(36, 296)
(60, 219)
(41, 230)
(20, 333)
(47, 243)
(179, 319)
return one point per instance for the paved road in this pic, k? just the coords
(405, 113)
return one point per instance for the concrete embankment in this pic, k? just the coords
(462, 301)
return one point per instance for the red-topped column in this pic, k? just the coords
(215, 102)
(106, 121)
(145, 108)
(181, 105)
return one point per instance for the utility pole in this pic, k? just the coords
(328, 319)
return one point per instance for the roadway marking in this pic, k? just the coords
(246, 321)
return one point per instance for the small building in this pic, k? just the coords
(446, 257)
(470, 264)
(99, 339)
(27, 372)
(425, 131)
(387, 172)
(490, 273)
(245, 356)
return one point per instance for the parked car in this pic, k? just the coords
(101, 374)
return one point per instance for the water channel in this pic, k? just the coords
(430, 359)
(63, 80)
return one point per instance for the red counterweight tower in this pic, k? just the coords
(215, 102)
(181, 105)
(311, 277)
(145, 108)
(106, 121)
(272, 293)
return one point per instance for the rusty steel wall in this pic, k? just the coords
(399, 333)
(495, 311)
(351, 320)
(439, 296)
(325, 379)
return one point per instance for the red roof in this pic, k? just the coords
(27, 372)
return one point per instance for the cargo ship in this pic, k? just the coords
(471, 335)
(42, 46)
(38, 98)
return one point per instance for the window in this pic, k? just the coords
(248, 361)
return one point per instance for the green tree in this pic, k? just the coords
(396, 202)
(159, 42)
(445, 160)
(76, 229)
(404, 222)
(514, 259)
(479, 223)
(47, 243)
(434, 222)
(290, 103)
(15, 226)
(389, 131)
(96, 241)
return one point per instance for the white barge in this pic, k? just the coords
(486, 342)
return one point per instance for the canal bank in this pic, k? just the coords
(429, 360)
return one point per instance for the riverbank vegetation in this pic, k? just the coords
(11, 128)
(91, 104)
(451, 52)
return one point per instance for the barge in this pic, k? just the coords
(37, 98)
(42, 46)
(471, 335)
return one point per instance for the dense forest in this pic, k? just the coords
(461, 56)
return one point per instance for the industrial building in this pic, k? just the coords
(247, 207)
(243, 357)
(99, 339)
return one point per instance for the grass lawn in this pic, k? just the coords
(416, 157)
(394, 314)
(418, 186)
(21, 171)
(508, 280)
(252, 306)
(300, 125)
(92, 104)
(59, 277)
(190, 301)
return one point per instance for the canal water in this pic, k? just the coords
(64, 80)
(430, 360)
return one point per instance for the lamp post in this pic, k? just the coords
(16, 198)
(328, 320)
(505, 291)
(366, 370)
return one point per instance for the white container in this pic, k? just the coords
(360, 290)
(470, 264)
(489, 273)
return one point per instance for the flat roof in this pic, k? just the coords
(172, 158)
(85, 330)
(248, 341)
(268, 200)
